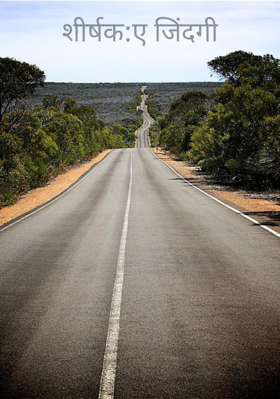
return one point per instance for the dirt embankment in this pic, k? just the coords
(255, 204)
(39, 196)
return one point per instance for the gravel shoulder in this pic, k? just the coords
(266, 211)
(41, 195)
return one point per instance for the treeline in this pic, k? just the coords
(37, 143)
(112, 102)
(234, 132)
(153, 106)
(132, 108)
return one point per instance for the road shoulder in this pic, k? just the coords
(266, 212)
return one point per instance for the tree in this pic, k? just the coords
(18, 81)
(51, 100)
(228, 66)
(243, 127)
(242, 67)
(185, 113)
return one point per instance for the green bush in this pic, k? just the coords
(236, 132)
(47, 139)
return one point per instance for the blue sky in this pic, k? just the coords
(32, 32)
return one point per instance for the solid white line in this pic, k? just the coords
(219, 201)
(57, 198)
(108, 376)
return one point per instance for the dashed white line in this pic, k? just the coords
(219, 201)
(108, 376)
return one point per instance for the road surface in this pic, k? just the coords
(143, 132)
(195, 287)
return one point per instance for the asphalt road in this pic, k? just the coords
(200, 309)
(143, 132)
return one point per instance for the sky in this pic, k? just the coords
(32, 31)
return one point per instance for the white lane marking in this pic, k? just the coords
(108, 376)
(57, 198)
(219, 201)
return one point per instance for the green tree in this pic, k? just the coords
(177, 126)
(18, 81)
(242, 67)
(243, 127)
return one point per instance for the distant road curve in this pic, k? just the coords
(143, 132)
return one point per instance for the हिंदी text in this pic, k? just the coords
(165, 27)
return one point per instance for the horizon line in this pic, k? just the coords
(140, 82)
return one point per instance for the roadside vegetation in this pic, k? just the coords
(113, 102)
(233, 132)
(229, 129)
(38, 142)
(164, 93)
(153, 106)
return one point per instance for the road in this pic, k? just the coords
(136, 276)
(147, 121)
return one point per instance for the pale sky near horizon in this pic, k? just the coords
(32, 32)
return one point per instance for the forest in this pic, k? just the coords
(234, 131)
(37, 142)
(112, 102)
